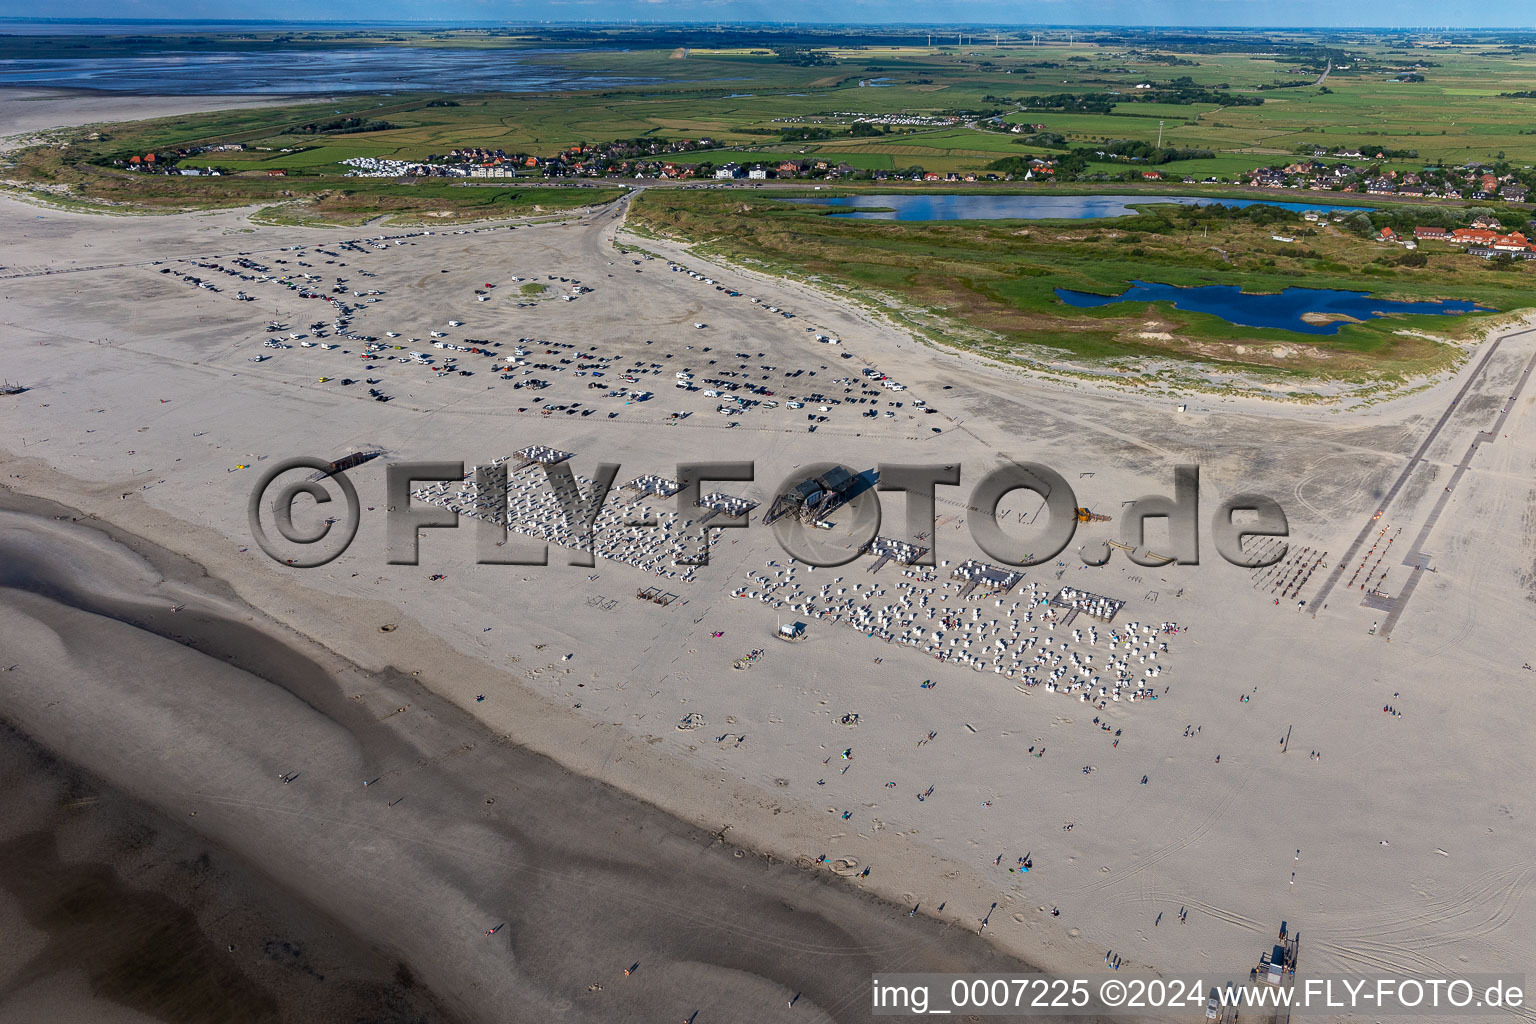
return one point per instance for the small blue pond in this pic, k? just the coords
(1283, 310)
(920, 206)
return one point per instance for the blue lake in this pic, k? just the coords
(914, 206)
(1282, 310)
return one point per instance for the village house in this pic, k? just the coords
(1473, 236)
(1481, 242)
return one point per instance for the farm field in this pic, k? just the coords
(744, 98)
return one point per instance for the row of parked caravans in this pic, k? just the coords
(732, 406)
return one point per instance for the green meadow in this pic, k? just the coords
(745, 98)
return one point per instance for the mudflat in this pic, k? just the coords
(356, 867)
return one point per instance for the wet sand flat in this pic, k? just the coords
(457, 832)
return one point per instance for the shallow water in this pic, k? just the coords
(372, 69)
(1036, 207)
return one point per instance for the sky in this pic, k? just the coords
(1231, 13)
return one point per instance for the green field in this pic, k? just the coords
(318, 198)
(1454, 115)
(1449, 128)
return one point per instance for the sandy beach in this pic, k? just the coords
(1324, 765)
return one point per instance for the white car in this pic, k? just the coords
(700, 326)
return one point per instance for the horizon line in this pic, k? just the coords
(724, 24)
